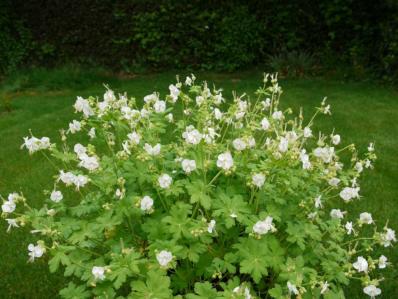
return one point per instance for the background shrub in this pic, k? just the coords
(221, 35)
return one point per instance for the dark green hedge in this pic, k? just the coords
(219, 34)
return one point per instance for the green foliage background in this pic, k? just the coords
(222, 35)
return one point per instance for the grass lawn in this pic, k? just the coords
(362, 112)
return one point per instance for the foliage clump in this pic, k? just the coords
(192, 196)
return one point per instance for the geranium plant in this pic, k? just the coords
(194, 196)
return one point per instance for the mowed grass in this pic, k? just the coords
(362, 112)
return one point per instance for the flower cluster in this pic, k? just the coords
(193, 195)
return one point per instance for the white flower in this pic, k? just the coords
(225, 161)
(337, 214)
(305, 159)
(35, 251)
(263, 227)
(90, 163)
(265, 124)
(291, 136)
(129, 113)
(146, 203)
(75, 126)
(307, 132)
(109, 96)
(160, 106)
(102, 106)
(134, 137)
(371, 147)
(66, 177)
(292, 288)
(13, 196)
(83, 105)
(318, 202)
(336, 139)
(339, 166)
(251, 142)
(210, 135)
(34, 144)
(372, 291)
(191, 135)
(246, 292)
(174, 92)
(324, 287)
(211, 226)
(258, 179)
(217, 113)
(199, 100)
(218, 99)
(368, 163)
(242, 105)
(334, 182)
(266, 104)
(152, 150)
(91, 133)
(240, 114)
(326, 110)
(366, 218)
(80, 181)
(312, 215)
(239, 144)
(98, 272)
(388, 237)
(119, 193)
(170, 117)
(56, 196)
(283, 145)
(349, 227)
(349, 193)
(326, 154)
(165, 181)
(144, 113)
(359, 167)
(80, 150)
(188, 81)
(11, 223)
(361, 265)
(382, 262)
(277, 115)
(188, 165)
(151, 98)
(164, 258)
(8, 206)
(45, 143)
(126, 147)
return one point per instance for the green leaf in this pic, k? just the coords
(124, 266)
(194, 250)
(74, 292)
(63, 156)
(276, 292)
(256, 256)
(198, 192)
(229, 208)
(334, 294)
(156, 287)
(59, 258)
(203, 291)
(179, 220)
(296, 234)
(221, 266)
